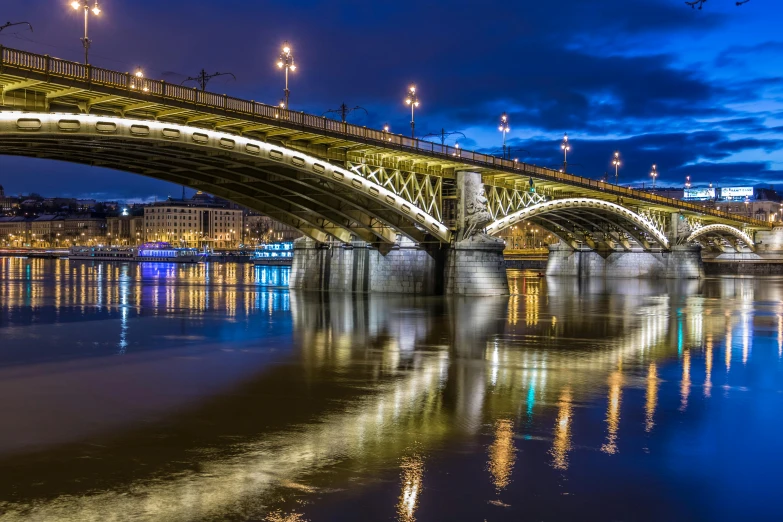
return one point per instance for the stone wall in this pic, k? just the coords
(471, 268)
(360, 268)
(683, 262)
(755, 268)
(476, 266)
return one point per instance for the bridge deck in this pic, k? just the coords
(33, 82)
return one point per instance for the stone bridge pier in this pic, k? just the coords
(472, 264)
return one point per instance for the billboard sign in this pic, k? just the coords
(700, 194)
(736, 192)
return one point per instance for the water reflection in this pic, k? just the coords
(562, 441)
(502, 454)
(306, 397)
(412, 473)
(652, 397)
(613, 412)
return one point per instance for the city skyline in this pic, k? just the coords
(611, 79)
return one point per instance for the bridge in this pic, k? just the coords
(381, 211)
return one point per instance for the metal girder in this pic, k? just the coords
(170, 112)
(138, 106)
(556, 229)
(205, 117)
(63, 92)
(23, 84)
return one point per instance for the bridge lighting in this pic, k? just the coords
(286, 61)
(566, 147)
(654, 174)
(85, 4)
(616, 163)
(413, 100)
(504, 128)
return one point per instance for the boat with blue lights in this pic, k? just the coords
(158, 251)
(276, 254)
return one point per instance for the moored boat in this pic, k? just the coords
(274, 254)
(159, 252)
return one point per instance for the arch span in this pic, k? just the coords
(593, 222)
(718, 234)
(320, 199)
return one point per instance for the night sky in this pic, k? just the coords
(696, 92)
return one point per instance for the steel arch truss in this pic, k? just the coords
(722, 238)
(589, 222)
(502, 201)
(425, 191)
(321, 200)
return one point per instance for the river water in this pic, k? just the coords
(211, 392)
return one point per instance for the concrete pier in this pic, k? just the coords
(471, 267)
(682, 262)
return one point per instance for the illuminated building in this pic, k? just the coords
(184, 223)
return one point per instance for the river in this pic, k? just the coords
(212, 392)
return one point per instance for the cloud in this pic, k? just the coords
(662, 83)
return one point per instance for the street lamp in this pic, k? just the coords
(137, 82)
(616, 163)
(413, 101)
(654, 174)
(85, 4)
(286, 61)
(504, 128)
(566, 147)
(687, 182)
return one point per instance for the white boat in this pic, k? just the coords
(159, 252)
(274, 254)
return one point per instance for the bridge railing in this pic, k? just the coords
(308, 122)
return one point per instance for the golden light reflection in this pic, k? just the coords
(728, 343)
(532, 302)
(513, 308)
(708, 367)
(652, 397)
(745, 338)
(562, 442)
(780, 336)
(278, 516)
(685, 383)
(502, 454)
(411, 476)
(613, 412)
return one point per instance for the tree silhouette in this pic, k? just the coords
(699, 3)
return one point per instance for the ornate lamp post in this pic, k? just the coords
(84, 4)
(286, 61)
(654, 174)
(616, 163)
(413, 100)
(566, 147)
(504, 128)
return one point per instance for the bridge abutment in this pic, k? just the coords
(682, 262)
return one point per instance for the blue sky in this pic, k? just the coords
(697, 92)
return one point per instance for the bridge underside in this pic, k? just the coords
(722, 238)
(589, 223)
(320, 207)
